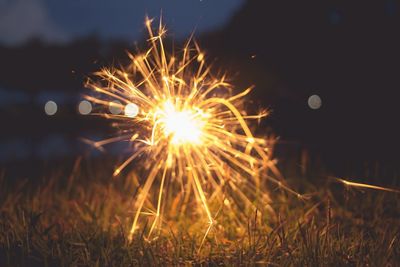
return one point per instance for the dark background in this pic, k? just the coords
(347, 52)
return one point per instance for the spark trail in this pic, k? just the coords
(191, 137)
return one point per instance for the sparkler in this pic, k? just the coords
(189, 134)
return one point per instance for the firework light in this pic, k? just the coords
(189, 135)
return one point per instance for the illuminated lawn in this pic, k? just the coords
(79, 218)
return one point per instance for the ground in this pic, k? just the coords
(80, 217)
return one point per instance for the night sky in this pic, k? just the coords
(65, 20)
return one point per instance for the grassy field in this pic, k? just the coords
(81, 218)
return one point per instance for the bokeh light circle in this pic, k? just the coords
(85, 107)
(50, 108)
(314, 102)
(131, 110)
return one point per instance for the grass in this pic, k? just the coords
(80, 218)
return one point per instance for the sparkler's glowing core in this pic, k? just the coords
(195, 144)
(184, 126)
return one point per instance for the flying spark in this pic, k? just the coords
(368, 186)
(189, 134)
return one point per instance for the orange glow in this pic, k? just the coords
(190, 132)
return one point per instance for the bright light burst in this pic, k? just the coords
(189, 135)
